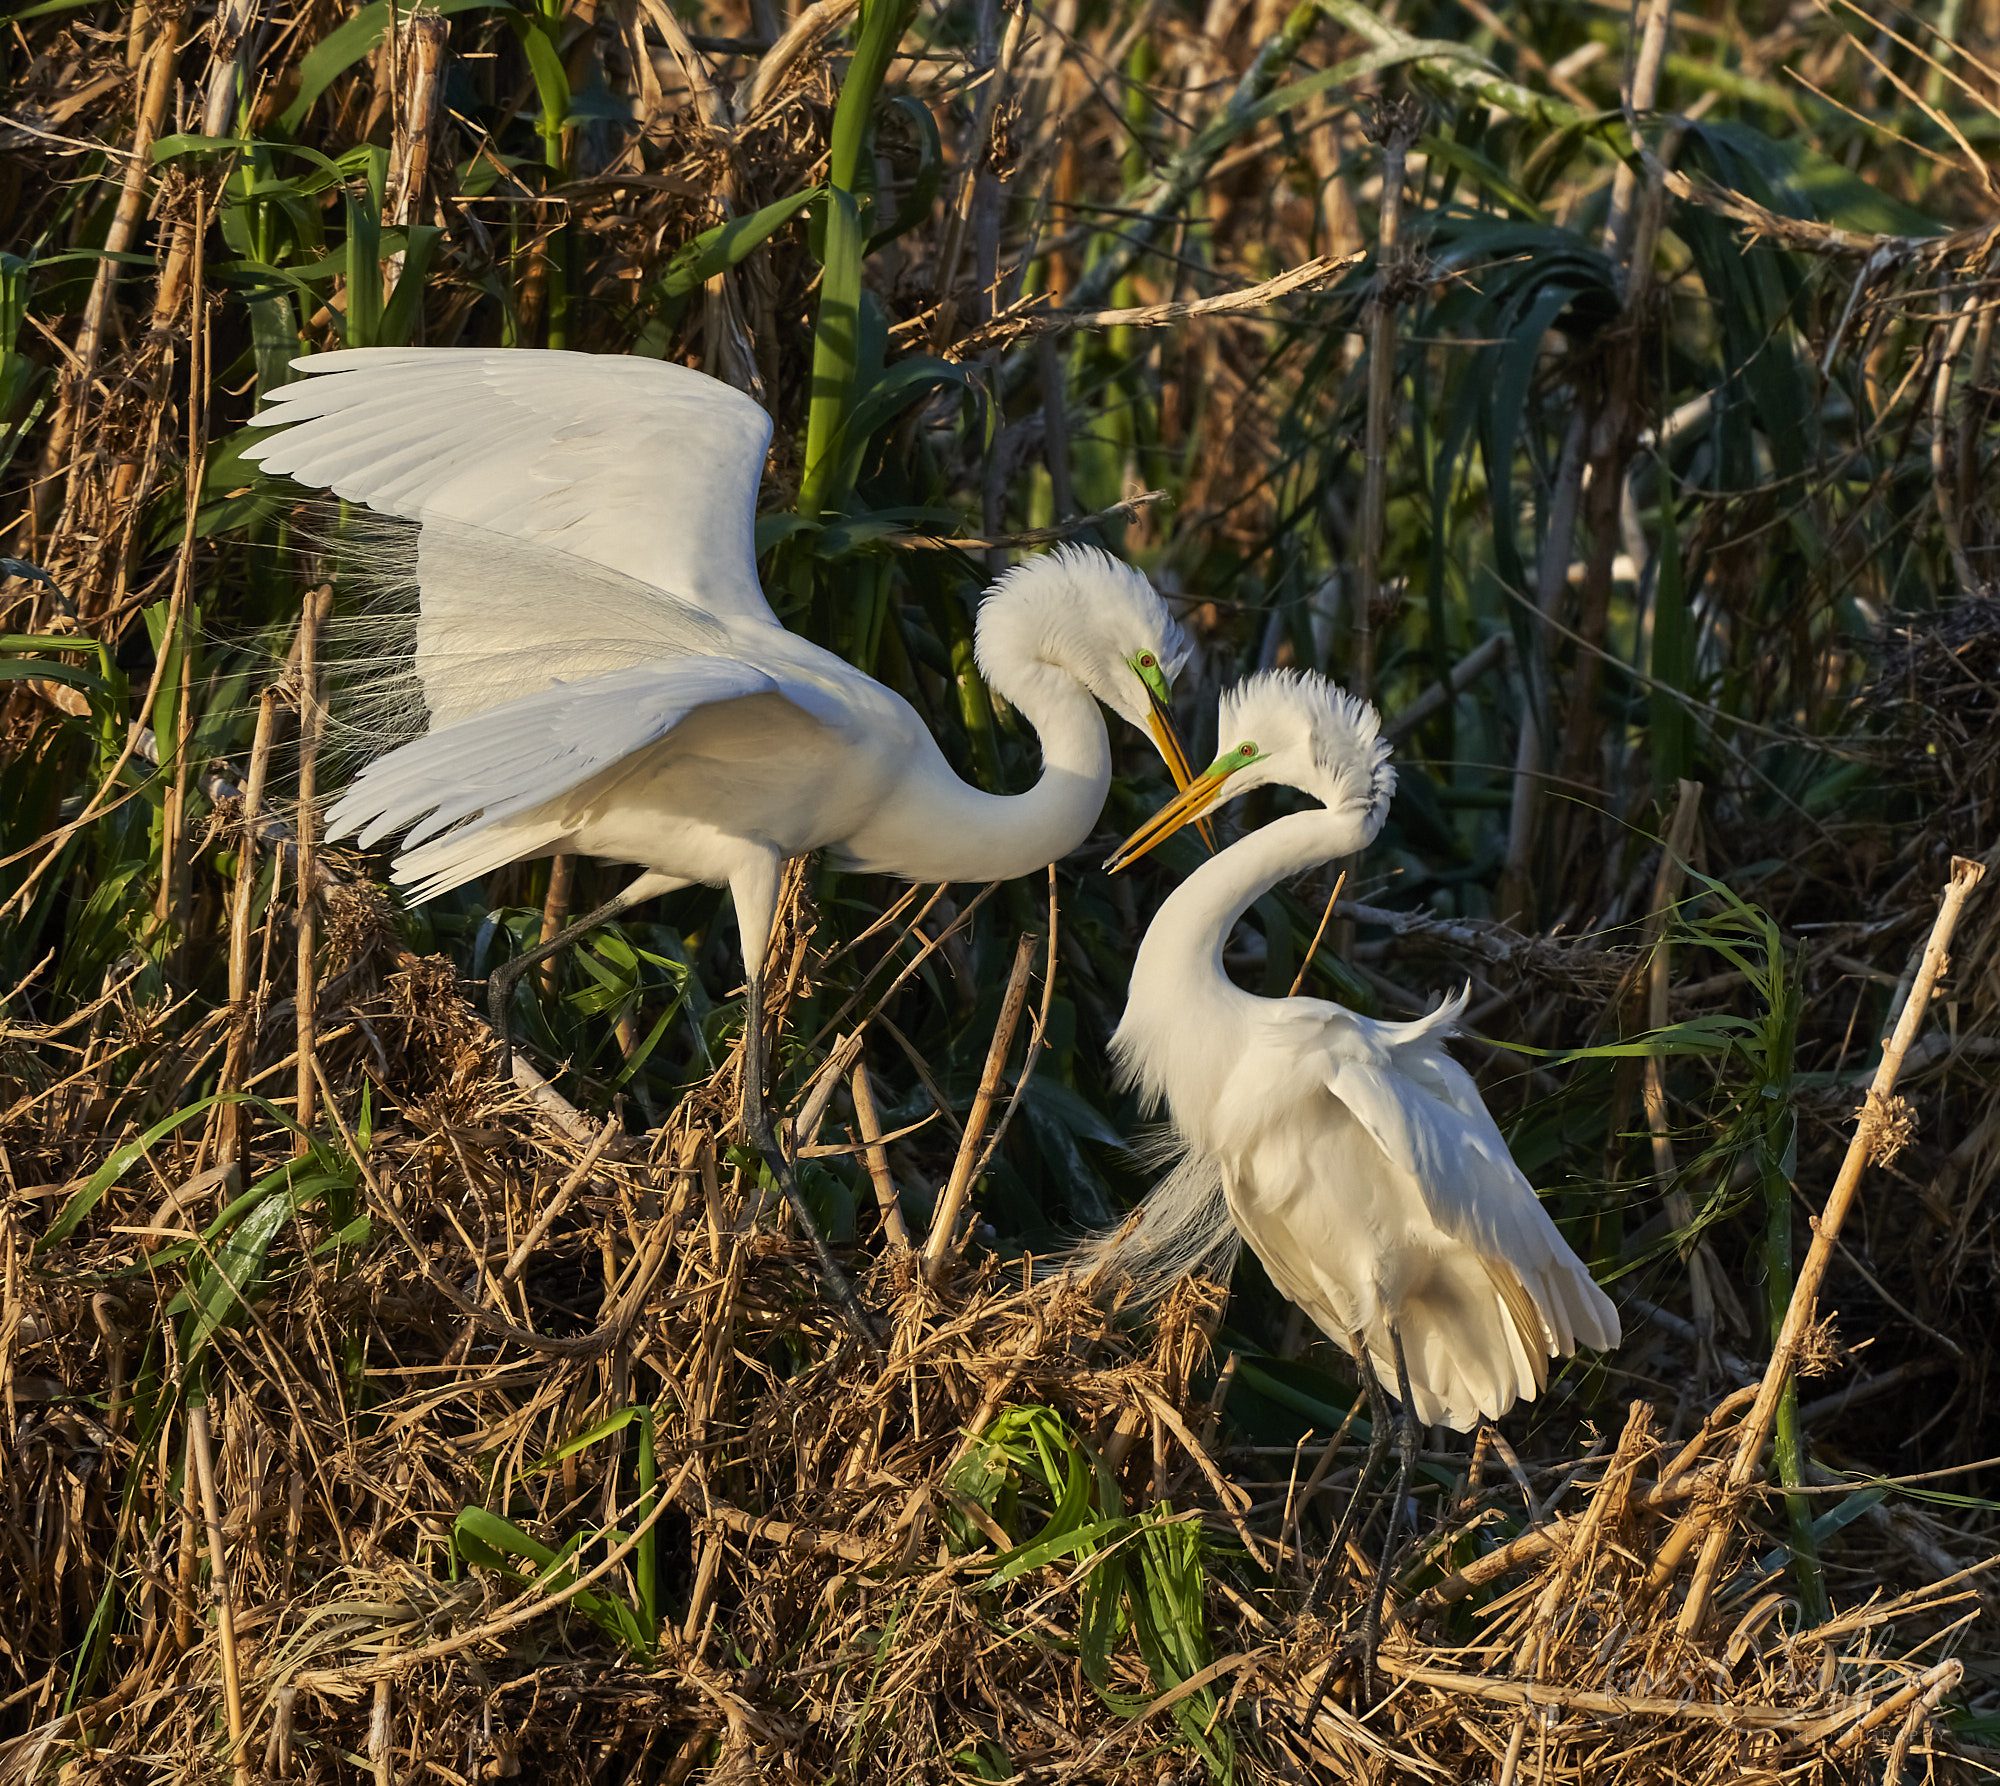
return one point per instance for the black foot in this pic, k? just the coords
(1407, 1433)
(501, 981)
(836, 1280)
(756, 1117)
(1352, 1516)
(500, 985)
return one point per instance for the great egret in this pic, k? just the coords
(598, 670)
(1356, 1157)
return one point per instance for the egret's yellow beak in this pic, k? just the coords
(1160, 722)
(1184, 808)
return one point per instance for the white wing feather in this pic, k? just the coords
(451, 789)
(1428, 1117)
(643, 467)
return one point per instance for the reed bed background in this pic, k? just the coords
(1610, 395)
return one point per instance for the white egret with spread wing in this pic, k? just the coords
(598, 670)
(1355, 1157)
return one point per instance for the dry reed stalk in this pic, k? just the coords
(1319, 935)
(820, 1092)
(312, 729)
(174, 891)
(1869, 1125)
(156, 88)
(232, 36)
(230, 1129)
(421, 45)
(1395, 125)
(1668, 880)
(1311, 276)
(382, 1733)
(1682, 1477)
(517, 1260)
(555, 913)
(941, 1244)
(203, 1455)
(868, 1124)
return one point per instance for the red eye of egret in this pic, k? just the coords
(1146, 661)
(1246, 750)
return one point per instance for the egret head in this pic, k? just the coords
(1293, 729)
(1081, 613)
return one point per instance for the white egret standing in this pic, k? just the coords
(1355, 1157)
(596, 669)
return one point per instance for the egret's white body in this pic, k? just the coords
(1355, 1157)
(601, 674)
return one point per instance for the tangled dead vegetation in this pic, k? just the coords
(575, 1469)
(1620, 418)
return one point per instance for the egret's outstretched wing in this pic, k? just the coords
(441, 621)
(646, 468)
(1426, 1115)
(491, 789)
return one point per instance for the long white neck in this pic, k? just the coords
(945, 830)
(1183, 1007)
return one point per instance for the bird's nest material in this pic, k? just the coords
(855, 1573)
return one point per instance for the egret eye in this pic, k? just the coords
(1246, 751)
(1145, 660)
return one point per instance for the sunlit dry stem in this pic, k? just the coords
(944, 1223)
(202, 1453)
(1312, 948)
(242, 908)
(555, 914)
(163, 62)
(1310, 276)
(381, 1734)
(868, 1123)
(420, 76)
(1800, 1313)
(1038, 1032)
(312, 726)
(517, 1261)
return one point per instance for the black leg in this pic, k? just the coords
(1378, 1445)
(757, 1126)
(500, 983)
(1352, 1514)
(1406, 1463)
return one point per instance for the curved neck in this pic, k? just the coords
(954, 832)
(1184, 943)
